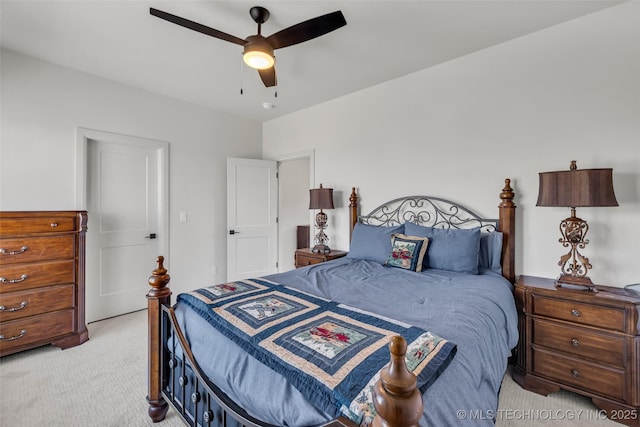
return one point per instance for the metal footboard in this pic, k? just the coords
(198, 401)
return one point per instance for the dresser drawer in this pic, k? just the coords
(586, 314)
(599, 347)
(42, 328)
(30, 249)
(587, 376)
(45, 224)
(16, 305)
(19, 277)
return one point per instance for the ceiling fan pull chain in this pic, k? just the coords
(275, 86)
(241, 75)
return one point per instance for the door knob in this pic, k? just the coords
(151, 236)
(234, 232)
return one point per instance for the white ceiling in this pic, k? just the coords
(383, 40)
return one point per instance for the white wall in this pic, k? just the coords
(570, 92)
(43, 104)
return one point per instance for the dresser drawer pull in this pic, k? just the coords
(575, 373)
(575, 342)
(17, 337)
(54, 224)
(575, 313)
(5, 280)
(22, 305)
(23, 249)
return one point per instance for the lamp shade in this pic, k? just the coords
(321, 198)
(576, 187)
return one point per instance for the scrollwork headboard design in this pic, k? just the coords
(427, 211)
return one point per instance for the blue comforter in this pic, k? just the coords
(477, 312)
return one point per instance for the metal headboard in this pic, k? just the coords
(427, 211)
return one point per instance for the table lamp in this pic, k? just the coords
(321, 198)
(575, 188)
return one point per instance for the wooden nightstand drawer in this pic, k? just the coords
(599, 347)
(576, 312)
(303, 260)
(29, 249)
(587, 376)
(16, 305)
(305, 257)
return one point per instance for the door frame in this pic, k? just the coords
(83, 135)
(306, 154)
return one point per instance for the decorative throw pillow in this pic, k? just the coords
(407, 252)
(449, 249)
(372, 242)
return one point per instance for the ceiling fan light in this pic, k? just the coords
(258, 59)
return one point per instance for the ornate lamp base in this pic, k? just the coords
(574, 265)
(575, 281)
(321, 238)
(321, 249)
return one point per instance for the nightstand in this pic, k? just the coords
(583, 341)
(304, 257)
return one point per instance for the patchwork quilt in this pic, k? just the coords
(331, 352)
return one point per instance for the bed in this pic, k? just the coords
(419, 319)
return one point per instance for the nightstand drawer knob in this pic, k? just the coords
(575, 313)
(575, 373)
(575, 342)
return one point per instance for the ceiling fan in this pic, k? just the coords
(258, 50)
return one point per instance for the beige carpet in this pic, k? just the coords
(103, 383)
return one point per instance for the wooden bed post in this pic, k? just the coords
(353, 211)
(507, 225)
(158, 295)
(396, 398)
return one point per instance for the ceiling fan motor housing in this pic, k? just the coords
(258, 47)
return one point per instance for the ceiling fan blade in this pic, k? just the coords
(307, 30)
(268, 76)
(196, 27)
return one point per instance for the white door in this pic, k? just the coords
(125, 228)
(252, 222)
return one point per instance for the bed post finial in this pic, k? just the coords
(396, 398)
(507, 225)
(353, 211)
(159, 295)
(507, 193)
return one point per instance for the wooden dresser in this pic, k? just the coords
(42, 261)
(305, 256)
(583, 341)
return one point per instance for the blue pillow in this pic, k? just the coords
(449, 249)
(491, 251)
(372, 242)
